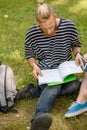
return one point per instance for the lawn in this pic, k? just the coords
(16, 16)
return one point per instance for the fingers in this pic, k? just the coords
(78, 60)
(85, 56)
(36, 72)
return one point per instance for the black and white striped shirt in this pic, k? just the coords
(53, 50)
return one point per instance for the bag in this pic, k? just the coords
(7, 88)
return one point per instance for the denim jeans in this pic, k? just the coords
(47, 95)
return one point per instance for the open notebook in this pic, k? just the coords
(64, 73)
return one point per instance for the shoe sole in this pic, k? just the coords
(42, 122)
(76, 113)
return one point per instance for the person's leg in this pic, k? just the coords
(70, 87)
(47, 99)
(29, 91)
(82, 97)
(42, 117)
(80, 105)
(49, 94)
(36, 91)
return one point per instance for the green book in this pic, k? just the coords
(64, 73)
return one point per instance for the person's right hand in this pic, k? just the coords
(36, 71)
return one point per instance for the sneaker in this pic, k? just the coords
(42, 122)
(76, 109)
(25, 92)
(72, 105)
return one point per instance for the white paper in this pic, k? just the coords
(49, 76)
(69, 67)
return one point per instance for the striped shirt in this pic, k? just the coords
(53, 50)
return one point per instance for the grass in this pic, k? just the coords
(12, 31)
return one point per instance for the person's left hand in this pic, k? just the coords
(78, 60)
(85, 56)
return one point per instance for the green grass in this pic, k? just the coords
(12, 36)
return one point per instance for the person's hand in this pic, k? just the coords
(36, 71)
(85, 56)
(78, 60)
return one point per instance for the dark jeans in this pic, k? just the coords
(47, 95)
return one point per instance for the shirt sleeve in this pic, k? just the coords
(75, 42)
(28, 47)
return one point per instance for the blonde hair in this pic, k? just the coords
(40, 1)
(43, 11)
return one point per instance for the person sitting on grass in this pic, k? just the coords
(47, 44)
(80, 105)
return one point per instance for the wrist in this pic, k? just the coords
(78, 53)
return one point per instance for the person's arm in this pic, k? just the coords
(76, 50)
(77, 53)
(35, 68)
